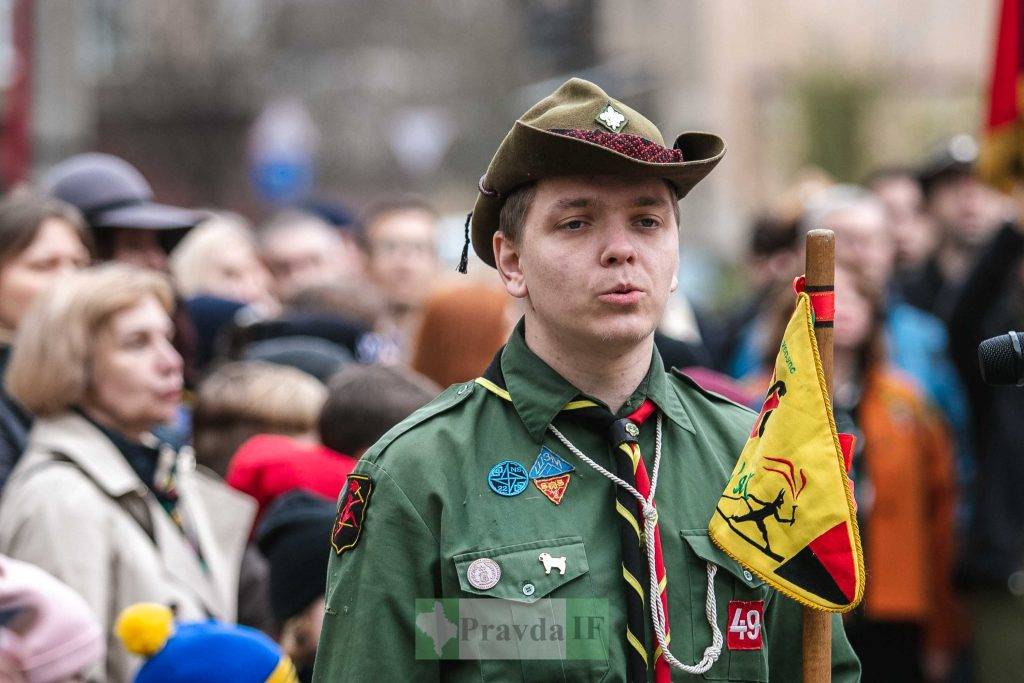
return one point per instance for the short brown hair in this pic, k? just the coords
(23, 211)
(365, 401)
(513, 212)
(53, 348)
(242, 399)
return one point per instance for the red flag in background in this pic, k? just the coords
(1002, 151)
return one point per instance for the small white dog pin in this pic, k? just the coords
(552, 563)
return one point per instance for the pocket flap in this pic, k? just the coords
(523, 576)
(705, 548)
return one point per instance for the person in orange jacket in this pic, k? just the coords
(907, 628)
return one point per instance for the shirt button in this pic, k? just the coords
(529, 589)
(1016, 583)
(747, 575)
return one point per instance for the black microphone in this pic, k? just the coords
(1002, 359)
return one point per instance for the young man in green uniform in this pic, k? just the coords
(532, 489)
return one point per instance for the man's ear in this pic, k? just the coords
(675, 282)
(507, 261)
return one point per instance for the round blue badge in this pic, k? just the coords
(508, 478)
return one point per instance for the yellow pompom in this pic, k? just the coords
(144, 628)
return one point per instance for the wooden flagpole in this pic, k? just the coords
(819, 269)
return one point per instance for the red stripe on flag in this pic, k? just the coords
(1005, 67)
(847, 442)
(833, 550)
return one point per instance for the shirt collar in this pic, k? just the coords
(539, 393)
(141, 457)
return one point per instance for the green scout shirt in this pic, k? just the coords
(431, 513)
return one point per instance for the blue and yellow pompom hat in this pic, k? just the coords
(199, 652)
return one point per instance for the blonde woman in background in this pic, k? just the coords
(134, 520)
(218, 258)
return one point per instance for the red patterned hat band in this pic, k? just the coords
(632, 146)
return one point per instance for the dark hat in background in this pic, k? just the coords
(295, 538)
(111, 193)
(212, 318)
(334, 213)
(332, 328)
(955, 157)
(313, 355)
(580, 130)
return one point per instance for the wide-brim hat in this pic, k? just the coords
(580, 130)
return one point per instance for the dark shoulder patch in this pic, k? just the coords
(447, 399)
(711, 395)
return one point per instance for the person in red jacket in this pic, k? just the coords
(270, 465)
(363, 402)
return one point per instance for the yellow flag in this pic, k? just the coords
(787, 513)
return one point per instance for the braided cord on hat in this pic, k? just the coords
(464, 261)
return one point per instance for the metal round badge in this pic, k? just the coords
(483, 574)
(508, 478)
(632, 430)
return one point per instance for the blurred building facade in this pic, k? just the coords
(416, 96)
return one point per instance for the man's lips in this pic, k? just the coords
(622, 295)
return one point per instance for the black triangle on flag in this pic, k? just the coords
(805, 570)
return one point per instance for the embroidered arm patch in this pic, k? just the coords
(348, 525)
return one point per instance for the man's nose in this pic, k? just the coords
(618, 248)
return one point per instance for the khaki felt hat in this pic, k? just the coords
(580, 130)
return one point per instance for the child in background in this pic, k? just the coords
(295, 538)
(365, 401)
(199, 652)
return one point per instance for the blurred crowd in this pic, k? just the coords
(184, 394)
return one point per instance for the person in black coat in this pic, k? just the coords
(992, 566)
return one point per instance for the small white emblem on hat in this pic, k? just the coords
(483, 574)
(611, 118)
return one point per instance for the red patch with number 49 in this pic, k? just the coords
(746, 624)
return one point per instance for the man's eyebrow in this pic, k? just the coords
(573, 203)
(646, 200)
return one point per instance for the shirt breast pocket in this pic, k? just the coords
(732, 584)
(529, 612)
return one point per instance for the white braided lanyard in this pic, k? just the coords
(650, 513)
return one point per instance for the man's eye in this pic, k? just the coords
(648, 222)
(573, 225)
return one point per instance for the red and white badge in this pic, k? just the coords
(746, 624)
